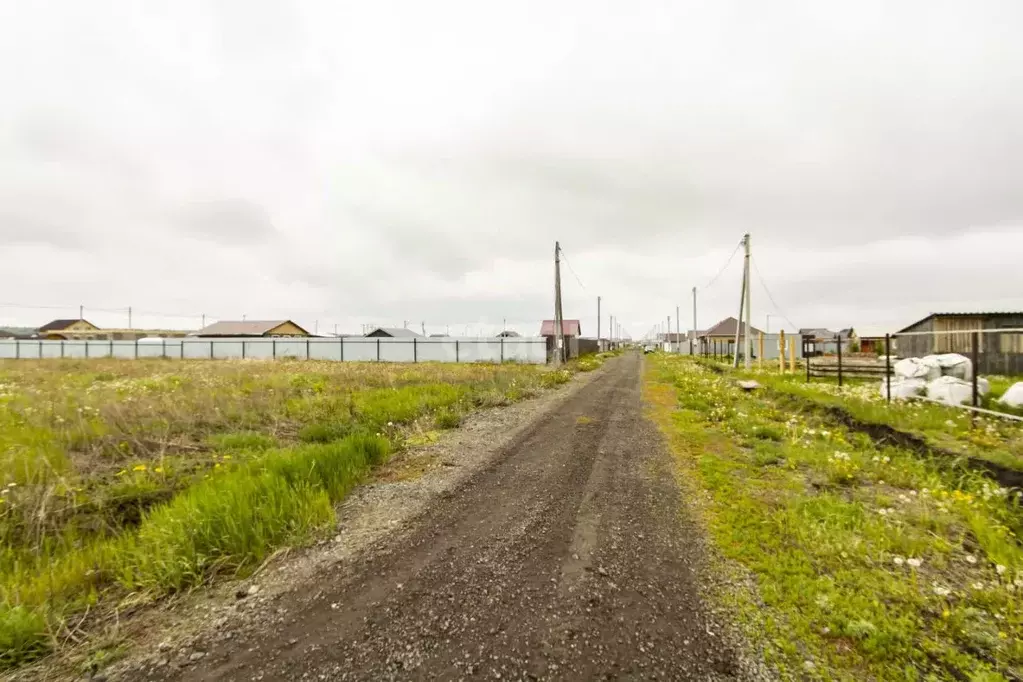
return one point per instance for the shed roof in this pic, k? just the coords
(242, 327)
(727, 327)
(58, 325)
(568, 328)
(980, 314)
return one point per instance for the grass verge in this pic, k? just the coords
(121, 482)
(868, 562)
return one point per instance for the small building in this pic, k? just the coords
(253, 328)
(57, 328)
(394, 333)
(721, 337)
(999, 352)
(570, 329)
(508, 334)
(821, 341)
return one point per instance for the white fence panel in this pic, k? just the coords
(349, 349)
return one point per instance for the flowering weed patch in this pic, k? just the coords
(867, 562)
(138, 478)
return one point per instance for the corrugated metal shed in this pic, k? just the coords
(568, 328)
(394, 332)
(242, 327)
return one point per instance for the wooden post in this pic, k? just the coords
(792, 354)
(781, 352)
(760, 350)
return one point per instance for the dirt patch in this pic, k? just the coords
(884, 434)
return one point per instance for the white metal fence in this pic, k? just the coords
(353, 349)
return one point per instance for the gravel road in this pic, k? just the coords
(565, 557)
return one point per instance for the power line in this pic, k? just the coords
(572, 270)
(722, 270)
(769, 296)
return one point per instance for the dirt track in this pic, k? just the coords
(565, 558)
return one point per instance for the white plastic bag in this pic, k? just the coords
(1013, 397)
(903, 389)
(918, 368)
(953, 365)
(951, 390)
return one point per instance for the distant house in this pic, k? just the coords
(57, 329)
(721, 337)
(999, 352)
(821, 341)
(393, 332)
(253, 328)
(570, 329)
(508, 334)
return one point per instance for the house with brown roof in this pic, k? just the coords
(253, 328)
(62, 329)
(721, 337)
(570, 329)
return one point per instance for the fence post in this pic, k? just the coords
(888, 366)
(378, 349)
(163, 344)
(273, 343)
(502, 349)
(760, 350)
(415, 350)
(181, 349)
(307, 348)
(792, 354)
(342, 344)
(456, 350)
(136, 348)
(975, 359)
(111, 348)
(86, 347)
(806, 361)
(781, 352)
(211, 349)
(243, 349)
(838, 344)
(61, 348)
(40, 350)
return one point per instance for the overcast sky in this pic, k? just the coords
(353, 162)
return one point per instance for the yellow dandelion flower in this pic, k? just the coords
(227, 456)
(158, 470)
(139, 467)
(122, 472)
(217, 465)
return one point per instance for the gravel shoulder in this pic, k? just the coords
(546, 542)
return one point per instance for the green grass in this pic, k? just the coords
(121, 482)
(866, 562)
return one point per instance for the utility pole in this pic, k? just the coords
(129, 317)
(678, 331)
(203, 321)
(81, 312)
(667, 334)
(692, 350)
(611, 328)
(600, 344)
(742, 305)
(423, 325)
(335, 329)
(316, 327)
(559, 336)
(749, 286)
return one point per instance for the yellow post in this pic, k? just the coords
(781, 352)
(792, 354)
(760, 349)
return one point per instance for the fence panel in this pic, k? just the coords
(349, 349)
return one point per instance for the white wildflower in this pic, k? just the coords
(941, 591)
(978, 586)
(898, 560)
(970, 559)
(999, 569)
(915, 563)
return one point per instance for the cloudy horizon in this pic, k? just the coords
(375, 163)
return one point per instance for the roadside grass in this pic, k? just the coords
(868, 562)
(123, 481)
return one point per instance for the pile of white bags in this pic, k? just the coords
(1014, 396)
(944, 377)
